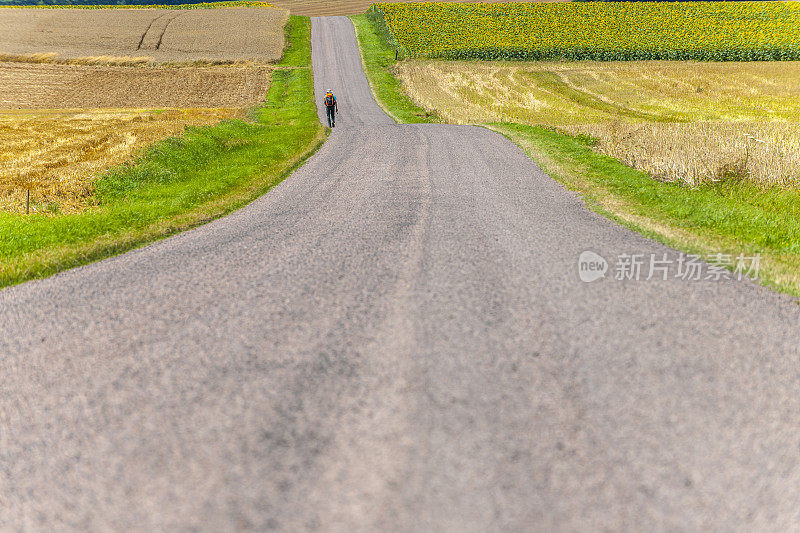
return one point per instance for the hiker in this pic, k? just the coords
(332, 107)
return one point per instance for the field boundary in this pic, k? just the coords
(132, 61)
(377, 60)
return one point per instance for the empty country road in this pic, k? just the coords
(396, 338)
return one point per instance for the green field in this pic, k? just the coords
(717, 31)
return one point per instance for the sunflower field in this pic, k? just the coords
(606, 31)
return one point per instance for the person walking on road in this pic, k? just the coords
(332, 107)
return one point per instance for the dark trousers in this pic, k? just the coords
(331, 115)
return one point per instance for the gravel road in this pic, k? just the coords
(397, 338)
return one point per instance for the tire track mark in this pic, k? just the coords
(141, 40)
(161, 37)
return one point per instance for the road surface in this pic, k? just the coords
(396, 338)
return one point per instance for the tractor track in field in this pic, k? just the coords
(164, 30)
(144, 34)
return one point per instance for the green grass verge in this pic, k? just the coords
(730, 217)
(178, 183)
(378, 58)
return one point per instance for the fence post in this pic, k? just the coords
(28, 203)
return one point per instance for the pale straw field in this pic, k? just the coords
(55, 154)
(677, 120)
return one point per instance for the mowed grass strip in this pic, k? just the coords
(180, 182)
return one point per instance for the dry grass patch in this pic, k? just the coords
(133, 35)
(676, 120)
(56, 154)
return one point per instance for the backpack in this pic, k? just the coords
(329, 99)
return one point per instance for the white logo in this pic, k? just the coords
(591, 267)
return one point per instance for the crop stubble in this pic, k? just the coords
(687, 121)
(55, 153)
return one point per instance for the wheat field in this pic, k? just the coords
(687, 121)
(767, 153)
(62, 124)
(55, 154)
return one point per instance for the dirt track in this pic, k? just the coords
(40, 86)
(163, 35)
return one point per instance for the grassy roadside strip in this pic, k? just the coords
(732, 217)
(377, 56)
(179, 183)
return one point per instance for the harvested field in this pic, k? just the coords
(574, 92)
(135, 35)
(678, 121)
(44, 86)
(76, 119)
(55, 154)
(316, 8)
(767, 153)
